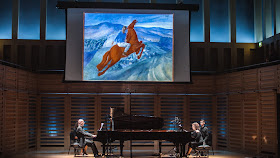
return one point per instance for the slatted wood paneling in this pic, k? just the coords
(222, 122)
(235, 122)
(250, 122)
(142, 105)
(2, 108)
(235, 81)
(52, 121)
(111, 101)
(268, 132)
(202, 85)
(32, 122)
(241, 115)
(221, 83)
(268, 77)
(105, 103)
(22, 121)
(201, 108)
(10, 123)
(10, 78)
(51, 83)
(10, 101)
(250, 80)
(171, 107)
(84, 107)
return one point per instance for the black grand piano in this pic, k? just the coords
(135, 127)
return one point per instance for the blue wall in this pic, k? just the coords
(245, 21)
(219, 21)
(56, 28)
(6, 19)
(29, 20)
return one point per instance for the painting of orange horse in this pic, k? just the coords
(114, 55)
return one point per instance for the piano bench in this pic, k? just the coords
(203, 149)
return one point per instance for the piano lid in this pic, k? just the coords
(126, 121)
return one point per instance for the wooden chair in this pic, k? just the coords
(205, 148)
(74, 143)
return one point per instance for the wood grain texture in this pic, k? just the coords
(38, 110)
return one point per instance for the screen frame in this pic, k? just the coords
(124, 81)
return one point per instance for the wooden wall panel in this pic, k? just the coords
(222, 122)
(145, 106)
(235, 122)
(2, 107)
(10, 81)
(51, 83)
(22, 80)
(202, 84)
(201, 108)
(250, 122)
(171, 107)
(1, 119)
(250, 80)
(112, 88)
(32, 83)
(82, 87)
(84, 107)
(278, 79)
(235, 81)
(10, 122)
(242, 113)
(221, 83)
(267, 78)
(172, 88)
(32, 122)
(14, 107)
(144, 88)
(107, 101)
(268, 123)
(52, 121)
(22, 121)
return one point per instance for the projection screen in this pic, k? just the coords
(127, 45)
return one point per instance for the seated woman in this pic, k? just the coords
(81, 134)
(198, 140)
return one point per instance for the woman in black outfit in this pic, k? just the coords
(198, 140)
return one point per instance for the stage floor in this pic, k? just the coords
(136, 154)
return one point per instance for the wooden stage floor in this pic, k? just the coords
(136, 154)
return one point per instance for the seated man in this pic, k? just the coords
(81, 134)
(204, 131)
(197, 138)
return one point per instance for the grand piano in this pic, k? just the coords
(126, 127)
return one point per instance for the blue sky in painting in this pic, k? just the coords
(144, 20)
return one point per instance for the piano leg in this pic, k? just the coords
(183, 149)
(121, 148)
(104, 148)
(159, 145)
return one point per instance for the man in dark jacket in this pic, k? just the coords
(81, 134)
(204, 131)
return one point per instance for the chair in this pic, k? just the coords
(205, 148)
(74, 143)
